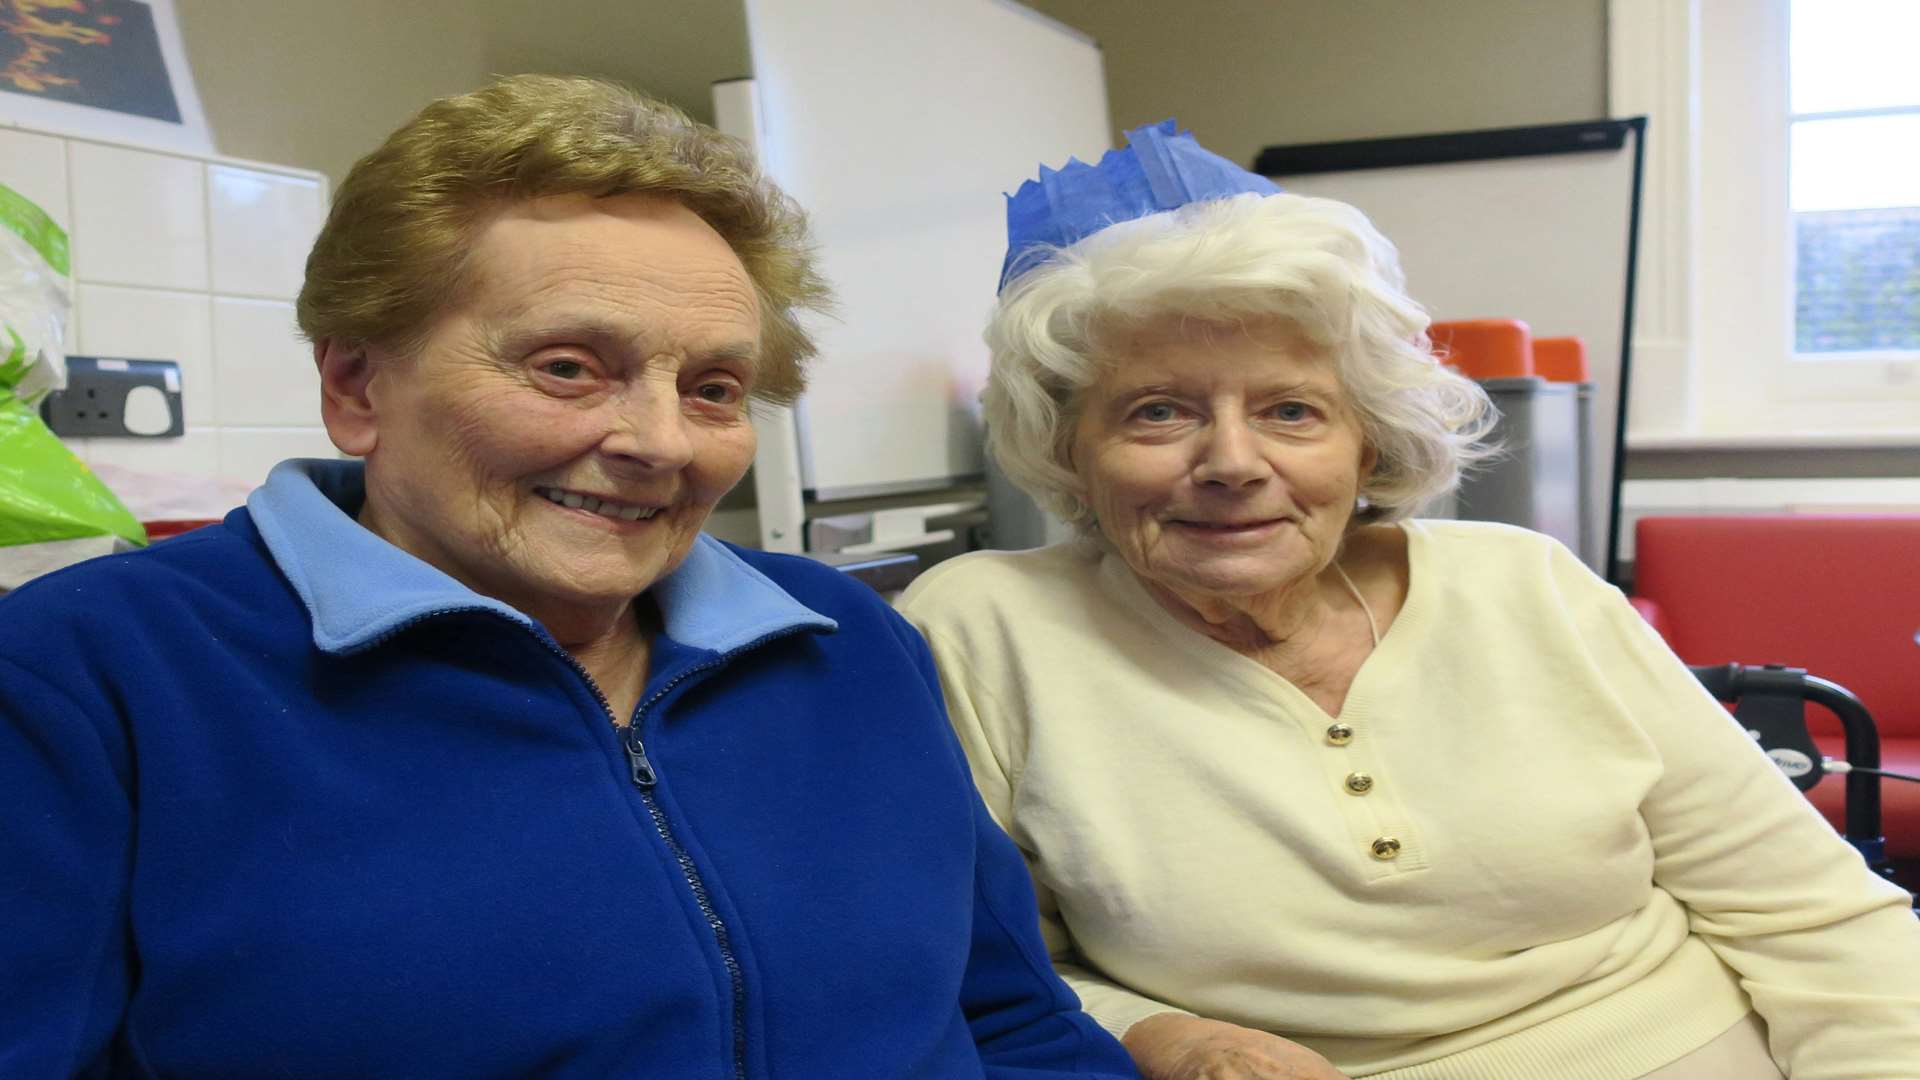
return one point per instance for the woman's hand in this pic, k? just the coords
(1173, 1046)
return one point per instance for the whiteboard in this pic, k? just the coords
(1545, 238)
(898, 126)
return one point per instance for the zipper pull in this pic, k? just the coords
(643, 774)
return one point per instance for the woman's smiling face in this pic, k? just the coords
(563, 433)
(1220, 461)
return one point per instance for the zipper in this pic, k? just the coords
(645, 777)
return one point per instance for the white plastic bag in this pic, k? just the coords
(34, 299)
(53, 510)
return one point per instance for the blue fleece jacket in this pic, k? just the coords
(280, 799)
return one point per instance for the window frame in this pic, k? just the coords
(1835, 376)
(1713, 77)
(1850, 357)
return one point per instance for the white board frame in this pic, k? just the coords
(1317, 168)
(776, 462)
(887, 123)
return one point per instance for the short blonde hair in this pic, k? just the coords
(393, 251)
(1317, 265)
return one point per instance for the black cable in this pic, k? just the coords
(1841, 768)
(1890, 775)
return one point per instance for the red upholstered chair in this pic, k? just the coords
(1838, 595)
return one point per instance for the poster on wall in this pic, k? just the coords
(114, 70)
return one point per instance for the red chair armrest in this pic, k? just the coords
(1650, 611)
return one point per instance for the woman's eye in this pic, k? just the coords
(1293, 412)
(718, 392)
(1156, 412)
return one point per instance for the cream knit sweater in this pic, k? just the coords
(1597, 871)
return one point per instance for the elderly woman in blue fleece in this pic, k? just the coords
(478, 758)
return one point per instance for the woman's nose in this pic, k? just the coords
(1231, 455)
(648, 429)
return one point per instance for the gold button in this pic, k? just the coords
(1359, 783)
(1340, 734)
(1386, 847)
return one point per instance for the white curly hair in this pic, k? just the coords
(1316, 264)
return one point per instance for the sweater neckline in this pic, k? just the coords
(1410, 623)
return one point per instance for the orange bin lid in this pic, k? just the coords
(1485, 348)
(1560, 359)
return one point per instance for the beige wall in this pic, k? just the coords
(1244, 74)
(316, 85)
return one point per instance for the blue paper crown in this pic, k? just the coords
(1160, 168)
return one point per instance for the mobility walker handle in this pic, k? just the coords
(1738, 682)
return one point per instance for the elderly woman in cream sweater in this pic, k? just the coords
(1312, 789)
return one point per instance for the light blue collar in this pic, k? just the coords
(359, 588)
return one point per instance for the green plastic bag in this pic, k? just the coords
(47, 494)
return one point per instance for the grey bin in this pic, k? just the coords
(1540, 481)
(1014, 521)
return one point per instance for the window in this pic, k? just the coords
(1854, 138)
(1779, 246)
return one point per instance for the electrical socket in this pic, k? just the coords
(115, 398)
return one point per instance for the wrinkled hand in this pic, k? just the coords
(1171, 1046)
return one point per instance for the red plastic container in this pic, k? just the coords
(1485, 348)
(1560, 359)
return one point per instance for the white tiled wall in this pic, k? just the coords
(195, 260)
(250, 208)
(115, 320)
(263, 374)
(36, 166)
(139, 218)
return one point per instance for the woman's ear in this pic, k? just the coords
(346, 407)
(1369, 459)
